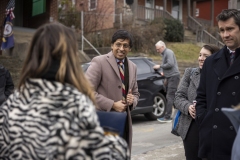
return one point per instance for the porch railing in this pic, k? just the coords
(145, 13)
(201, 34)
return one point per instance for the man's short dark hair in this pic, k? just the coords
(122, 34)
(230, 13)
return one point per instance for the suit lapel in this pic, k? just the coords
(112, 61)
(196, 77)
(233, 69)
(131, 71)
(220, 65)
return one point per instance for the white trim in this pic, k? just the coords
(89, 2)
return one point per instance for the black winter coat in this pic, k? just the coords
(6, 84)
(219, 87)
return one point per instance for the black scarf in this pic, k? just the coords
(126, 75)
(50, 74)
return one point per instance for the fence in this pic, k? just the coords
(145, 13)
(201, 34)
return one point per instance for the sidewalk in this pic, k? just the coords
(172, 152)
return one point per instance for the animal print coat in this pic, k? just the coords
(50, 120)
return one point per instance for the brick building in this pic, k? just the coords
(205, 11)
(30, 13)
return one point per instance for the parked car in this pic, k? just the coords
(152, 100)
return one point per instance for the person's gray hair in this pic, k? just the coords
(160, 44)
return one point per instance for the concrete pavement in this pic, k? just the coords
(171, 152)
(153, 140)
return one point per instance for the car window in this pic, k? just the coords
(142, 66)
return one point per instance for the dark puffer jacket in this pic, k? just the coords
(6, 84)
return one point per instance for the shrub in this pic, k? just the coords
(174, 30)
(146, 37)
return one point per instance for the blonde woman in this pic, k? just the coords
(52, 115)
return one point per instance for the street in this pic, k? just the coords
(153, 140)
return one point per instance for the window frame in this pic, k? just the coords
(44, 7)
(89, 5)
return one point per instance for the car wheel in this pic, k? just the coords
(159, 107)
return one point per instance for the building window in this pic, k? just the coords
(92, 4)
(197, 12)
(38, 7)
(238, 4)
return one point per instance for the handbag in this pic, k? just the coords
(113, 121)
(175, 122)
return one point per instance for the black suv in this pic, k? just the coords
(152, 101)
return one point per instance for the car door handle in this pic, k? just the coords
(152, 77)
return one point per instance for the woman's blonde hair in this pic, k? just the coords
(55, 42)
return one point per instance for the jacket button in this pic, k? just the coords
(219, 93)
(219, 78)
(215, 127)
(236, 77)
(216, 109)
(119, 87)
(233, 93)
(231, 127)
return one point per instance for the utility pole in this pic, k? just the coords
(189, 7)
(121, 25)
(212, 13)
(82, 21)
(164, 7)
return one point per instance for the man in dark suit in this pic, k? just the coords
(104, 74)
(219, 87)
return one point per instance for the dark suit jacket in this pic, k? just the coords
(219, 87)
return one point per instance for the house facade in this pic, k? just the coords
(207, 10)
(30, 13)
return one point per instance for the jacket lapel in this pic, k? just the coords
(196, 77)
(220, 65)
(130, 71)
(233, 69)
(112, 61)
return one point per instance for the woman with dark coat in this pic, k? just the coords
(184, 97)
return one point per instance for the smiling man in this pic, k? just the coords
(114, 79)
(219, 87)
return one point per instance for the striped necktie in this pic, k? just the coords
(120, 66)
(232, 55)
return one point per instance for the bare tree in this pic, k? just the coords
(98, 15)
(102, 17)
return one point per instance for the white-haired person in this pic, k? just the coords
(171, 73)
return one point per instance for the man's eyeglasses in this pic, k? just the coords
(119, 45)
